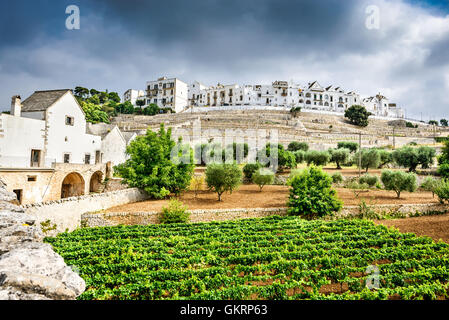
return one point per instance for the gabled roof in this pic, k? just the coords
(42, 100)
(128, 136)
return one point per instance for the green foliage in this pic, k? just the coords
(250, 168)
(337, 177)
(444, 157)
(176, 212)
(262, 177)
(279, 160)
(443, 170)
(353, 146)
(223, 177)
(370, 180)
(94, 113)
(370, 158)
(430, 184)
(357, 115)
(444, 122)
(239, 151)
(408, 124)
(312, 195)
(157, 164)
(98, 106)
(339, 156)
(294, 111)
(151, 110)
(318, 158)
(386, 157)
(433, 122)
(295, 146)
(442, 191)
(411, 158)
(399, 181)
(299, 156)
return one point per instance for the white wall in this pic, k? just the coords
(113, 147)
(18, 136)
(78, 142)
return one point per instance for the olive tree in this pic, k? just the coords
(222, 177)
(370, 158)
(262, 177)
(399, 181)
(339, 156)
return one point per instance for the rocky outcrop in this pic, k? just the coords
(29, 268)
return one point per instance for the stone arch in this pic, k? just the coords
(308, 102)
(95, 181)
(72, 185)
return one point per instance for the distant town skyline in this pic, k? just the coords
(399, 48)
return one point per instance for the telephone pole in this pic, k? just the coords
(360, 154)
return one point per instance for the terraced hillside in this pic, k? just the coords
(321, 131)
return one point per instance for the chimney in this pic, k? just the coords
(16, 106)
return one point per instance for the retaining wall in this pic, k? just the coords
(144, 218)
(66, 213)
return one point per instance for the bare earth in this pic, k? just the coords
(248, 196)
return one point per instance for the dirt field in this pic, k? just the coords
(248, 196)
(436, 227)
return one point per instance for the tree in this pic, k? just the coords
(357, 115)
(239, 151)
(250, 168)
(312, 195)
(430, 184)
(157, 164)
(175, 212)
(81, 92)
(352, 146)
(151, 110)
(262, 177)
(399, 181)
(318, 158)
(196, 184)
(140, 103)
(370, 158)
(93, 113)
(296, 146)
(279, 160)
(113, 96)
(339, 156)
(386, 157)
(411, 158)
(222, 177)
(443, 170)
(433, 122)
(444, 157)
(442, 191)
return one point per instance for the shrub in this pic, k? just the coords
(312, 195)
(276, 160)
(399, 181)
(357, 115)
(370, 158)
(353, 146)
(294, 111)
(250, 168)
(300, 156)
(154, 164)
(370, 180)
(408, 124)
(444, 157)
(318, 158)
(443, 170)
(430, 184)
(176, 212)
(442, 191)
(295, 146)
(411, 158)
(357, 187)
(196, 184)
(339, 156)
(337, 177)
(263, 177)
(223, 177)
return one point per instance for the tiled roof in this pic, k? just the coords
(42, 100)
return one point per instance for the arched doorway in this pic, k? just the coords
(72, 185)
(95, 182)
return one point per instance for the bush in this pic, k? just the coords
(444, 157)
(154, 164)
(318, 158)
(357, 187)
(283, 158)
(443, 170)
(411, 158)
(176, 212)
(399, 181)
(370, 180)
(353, 146)
(300, 156)
(370, 159)
(263, 177)
(337, 177)
(250, 168)
(196, 184)
(430, 184)
(339, 156)
(295, 146)
(357, 115)
(442, 191)
(223, 177)
(312, 195)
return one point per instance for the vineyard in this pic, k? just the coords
(269, 258)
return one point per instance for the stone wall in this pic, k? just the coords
(66, 213)
(29, 268)
(144, 218)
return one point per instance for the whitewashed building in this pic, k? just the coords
(379, 105)
(133, 95)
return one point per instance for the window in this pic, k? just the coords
(18, 193)
(32, 178)
(35, 158)
(69, 121)
(97, 157)
(87, 158)
(66, 158)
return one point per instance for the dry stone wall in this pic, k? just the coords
(29, 268)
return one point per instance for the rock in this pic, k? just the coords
(14, 236)
(7, 195)
(14, 294)
(40, 259)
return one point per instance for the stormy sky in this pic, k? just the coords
(122, 44)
